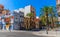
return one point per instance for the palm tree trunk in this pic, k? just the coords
(52, 22)
(47, 22)
(30, 22)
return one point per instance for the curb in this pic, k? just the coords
(44, 34)
(11, 31)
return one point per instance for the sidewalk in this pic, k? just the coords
(50, 33)
(12, 31)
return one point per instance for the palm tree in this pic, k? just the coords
(52, 14)
(48, 11)
(45, 12)
(30, 15)
(43, 19)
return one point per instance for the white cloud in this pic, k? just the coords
(37, 17)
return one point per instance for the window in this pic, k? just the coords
(16, 19)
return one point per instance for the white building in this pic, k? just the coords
(57, 1)
(20, 14)
(18, 19)
(27, 9)
(58, 9)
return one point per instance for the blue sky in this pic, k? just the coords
(37, 4)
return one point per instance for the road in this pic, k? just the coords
(18, 34)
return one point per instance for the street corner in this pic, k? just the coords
(44, 34)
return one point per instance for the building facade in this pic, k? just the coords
(27, 23)
(37, 20)
(5, 18)
(30, 9)
(58, 9)
(18, 20)
(8, 21)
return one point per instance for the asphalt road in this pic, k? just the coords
(18, 34)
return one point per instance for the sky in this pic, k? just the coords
(37, 4)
